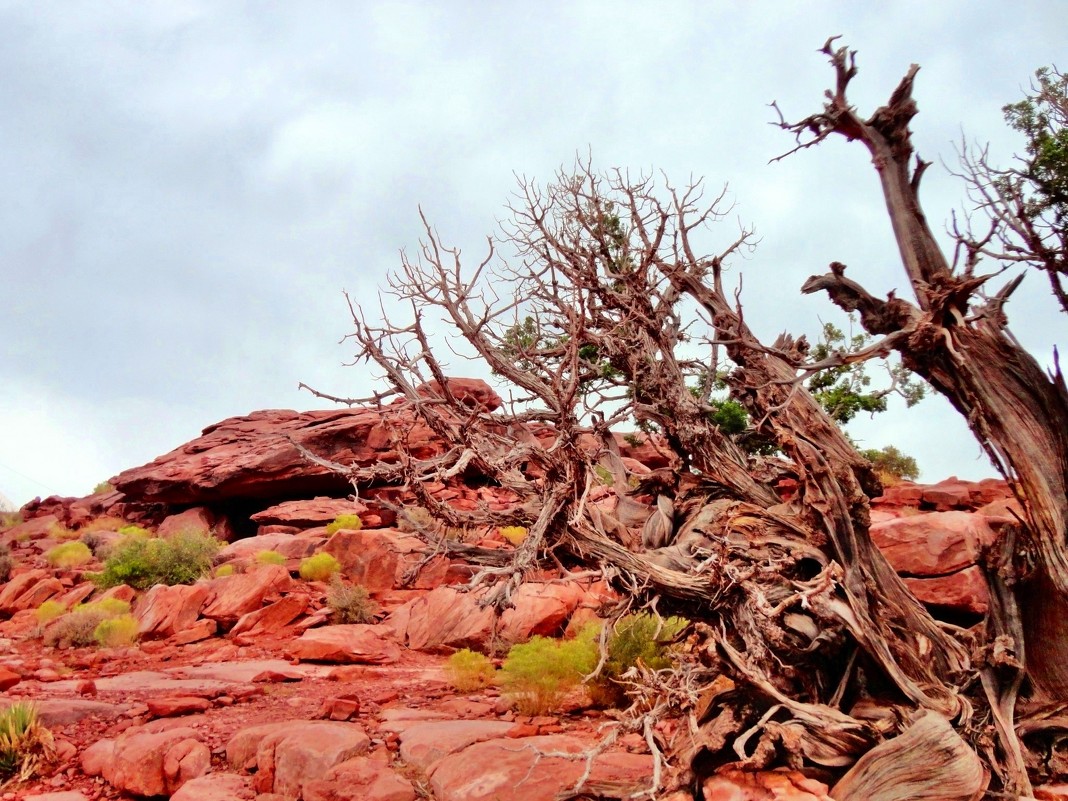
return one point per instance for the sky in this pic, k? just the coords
(187, 188)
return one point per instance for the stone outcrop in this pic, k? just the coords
(147, 761)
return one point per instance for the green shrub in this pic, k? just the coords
(109, 606)
(319, 567)
(103, 486)
(891, 464)
(514, 534)
(469, 670)
(224, 570)
(135, 531)
(270, 558)
(10, 519)
(78, 627)
(24, 742)
(5, 562)
(60, 532)
(142, 563)
(116, 632)
(347, 522)
(639, 638)
(538, 674)
(49, 611)
(69, 554)
(349, 603)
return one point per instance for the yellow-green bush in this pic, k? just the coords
(514, 534)
(270, 558)
(349, 603)
(347, 522)
(69, 554)
(538, 674)
(224, 570)
(135, 531)
(78, 627)
(25, 742)
(5, 563)
(143, 562)
(639, 638)
(116, 632)
(319, 567)
(60, 532)
(49, 611)
(469, 670)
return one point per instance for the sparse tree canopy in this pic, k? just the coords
(607, 301)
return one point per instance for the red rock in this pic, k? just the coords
(285, 755)
(377, 559)
(198, 520)
(122, 592)
(164, 611)
(932, 544)
(271, 618)
(230, 597)
(175, 705)
(344, 707)
(425, 743)
(28, 591)
(963, 591)
(359, 779)
(201, 630)
(148, 762)
(307, 514)
(444, 618)
(216, 787)
(289, 545)
(86, 687)
(351, 643)
(62, 795)
(471, 392)
(277, 676)
(539, 609)
(8, 679)
(75, 596)
(36, 529)
(1051, 792)
(733, 784)
(520, 774)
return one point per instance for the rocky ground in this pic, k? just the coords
(240, 687)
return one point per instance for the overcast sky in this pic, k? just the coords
(187, 187)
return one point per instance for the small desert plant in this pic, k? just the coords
(78, 627)
(60, 532)
(633, 440)
(636, 639)
(319, 567)
(49, 611)
(349, 603)
(135, 531)
(103, 524)
(103, 486)
(347, 522)
(9, 519)
(469, 670)
(538, 674)
(891, 465)
(415, 518)
(116, 632)
(224, 570)
(142, 563)
(24, 742)
(5, 562)
(109, 606)
(269, 558)
(514, 534)
(69, 554)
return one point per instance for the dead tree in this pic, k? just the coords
(607, 308)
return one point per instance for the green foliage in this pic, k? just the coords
(49, 611)
(469, 671)
(116, 632)
(110, 606)
(538, 674)
(103, 486)
(349, 603)
(891, 463)
(79, 626)
(135, 531)
(60, 532)
(641, 638)
(69, 554)
(845, 391)
(268, 558)
(5, 562)
(224, 570)
(24, 742)
(347, 522)
(319, 567)
(143, 562)
(10, 519)
(1042, 117)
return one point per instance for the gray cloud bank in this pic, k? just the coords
(188, 186)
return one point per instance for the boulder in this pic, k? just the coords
(288, 754)
(423, 744)
(377, 559)
(359, 779)
(164, 611)
(147, 761)
(444, 618)
(272, 617)
(172, 706)
(351, 643)
(518, 770)
(539, 609)
(216, 787)
(8, 679)
(198, 520)
(933, 544)
(471, 392)
(734, 784)
(28, 591)
(289, 545)
(35, 529)
(308, 514)
(963, 591)
(230, 597)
